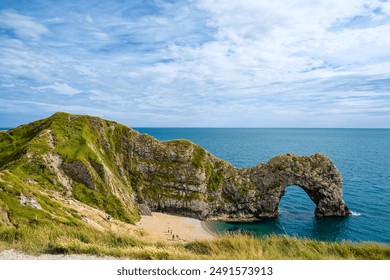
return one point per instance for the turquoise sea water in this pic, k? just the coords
(361, 155)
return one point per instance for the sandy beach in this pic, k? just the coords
(155, 229)
(161, 227)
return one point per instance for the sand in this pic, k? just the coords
(151, 228)
(183, 228)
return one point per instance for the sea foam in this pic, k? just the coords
(353, 213)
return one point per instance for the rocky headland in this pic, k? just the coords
(122, 173)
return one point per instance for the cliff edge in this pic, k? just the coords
(111, 167)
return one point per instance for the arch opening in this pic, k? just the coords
(295, 202)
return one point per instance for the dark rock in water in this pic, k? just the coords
(118, 170)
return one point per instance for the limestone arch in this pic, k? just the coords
(316, 175)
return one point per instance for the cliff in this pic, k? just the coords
(113, 168)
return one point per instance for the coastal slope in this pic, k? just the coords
(122, 173)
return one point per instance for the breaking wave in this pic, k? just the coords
(353, 213)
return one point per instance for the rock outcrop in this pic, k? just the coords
(215, 190)
(122, 172)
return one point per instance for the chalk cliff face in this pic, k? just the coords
(122, 172)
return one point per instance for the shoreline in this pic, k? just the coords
(166, 227)
(207, 227)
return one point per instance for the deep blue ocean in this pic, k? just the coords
(361, 155)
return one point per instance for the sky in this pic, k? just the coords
(197, 63)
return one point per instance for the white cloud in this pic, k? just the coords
(55, 20)
(60, 88)
(282, 37)
(18, 60)
(101, 36)
(262, 61)
(24, 26)
(385, 7)
(98, 95)
(86, 70)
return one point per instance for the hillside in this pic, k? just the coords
(77, 184)
(61, 157)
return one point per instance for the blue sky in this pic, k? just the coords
(197, 63)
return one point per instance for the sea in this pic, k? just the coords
(361, 155)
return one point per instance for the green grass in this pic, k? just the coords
(284, 248)
(215, 177)
(13, 141)
(22, 153)
(65, 239)
(198, 156)
(104, 200)
(56, 239)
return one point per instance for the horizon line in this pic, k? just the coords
(254, 127)
(223, 127)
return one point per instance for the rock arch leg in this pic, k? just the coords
(327, 199)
